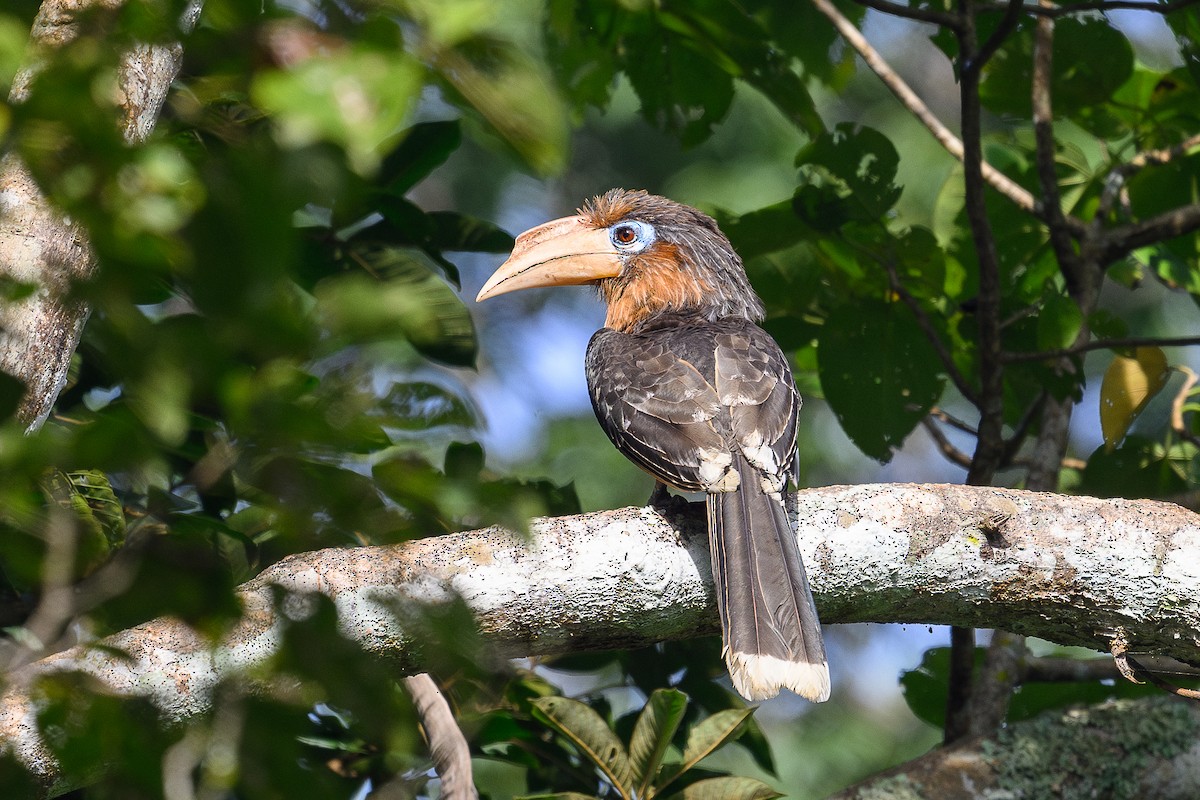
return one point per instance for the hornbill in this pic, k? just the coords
(691, 390)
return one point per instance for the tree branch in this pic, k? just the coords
(1124, 239)
(447, 745)
(41, 247)
(1104, 344)
(940, 18)
(1072, 570)
(1130, 748)
(910, 100)
(1099, 5)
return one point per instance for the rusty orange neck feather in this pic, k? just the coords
(655, 281)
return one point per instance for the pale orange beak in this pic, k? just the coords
(563, 252)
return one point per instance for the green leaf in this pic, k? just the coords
(1059, 322)
(513, 93)
(423, 148)
(392, 294)
(652, 734)
(97, 511)
(727, 787)
(863, 160)
(356, 98)
(1137, 469)
(705, 738)
(419, 406)
(878, 372)
(587, 730)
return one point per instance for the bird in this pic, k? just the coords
(688, 387)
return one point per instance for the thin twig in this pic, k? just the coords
(926, 324)
(1013, 445)
(940, 18)
(909, 99)
(945, 446)
(954, 422)
(1128, 342)
(1099, 5)
(1007, 25)
(1177, 423)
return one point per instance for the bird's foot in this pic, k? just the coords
(666, 503)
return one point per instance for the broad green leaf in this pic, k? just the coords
(652, 734)
(727, 787)
(864, 160)
(419, 406)
(1080, 82)
(512, 92)
(422, 148)
(357, 98)
(878, 372)
(1059, 322)
(89, 497)
(1138, 468)
(558, 796)
(1128, 385)
(705, 738)
(392, 294)
(588, 731)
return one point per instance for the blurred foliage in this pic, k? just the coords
(278, 360)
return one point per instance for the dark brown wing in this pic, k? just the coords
(684, 394)
(753, 380)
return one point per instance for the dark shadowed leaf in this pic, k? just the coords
(879, 373)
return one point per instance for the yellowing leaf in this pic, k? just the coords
(1128, 385)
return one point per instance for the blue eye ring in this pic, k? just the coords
(631, 236)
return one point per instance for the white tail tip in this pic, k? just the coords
(759, 677)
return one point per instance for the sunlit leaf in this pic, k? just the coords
(705, 738)
(357, 97)
(652, 734)
(1128, 385)
(727, 787)
(587, 731)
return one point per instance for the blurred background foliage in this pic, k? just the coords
(282, 354)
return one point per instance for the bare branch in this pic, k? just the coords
(910, 100)
(1103, 344)
(1178, 425)
(1100, 5)
(940, 18)
(945, 446)
(447, 745)
(1068, 569)
(1124, 239)
(992, 689)
(1012, 15)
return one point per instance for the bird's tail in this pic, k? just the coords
(771, 634)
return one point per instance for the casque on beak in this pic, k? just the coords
(562, 252)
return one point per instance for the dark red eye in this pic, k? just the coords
(625, 234)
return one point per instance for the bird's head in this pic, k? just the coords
(647, 255)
